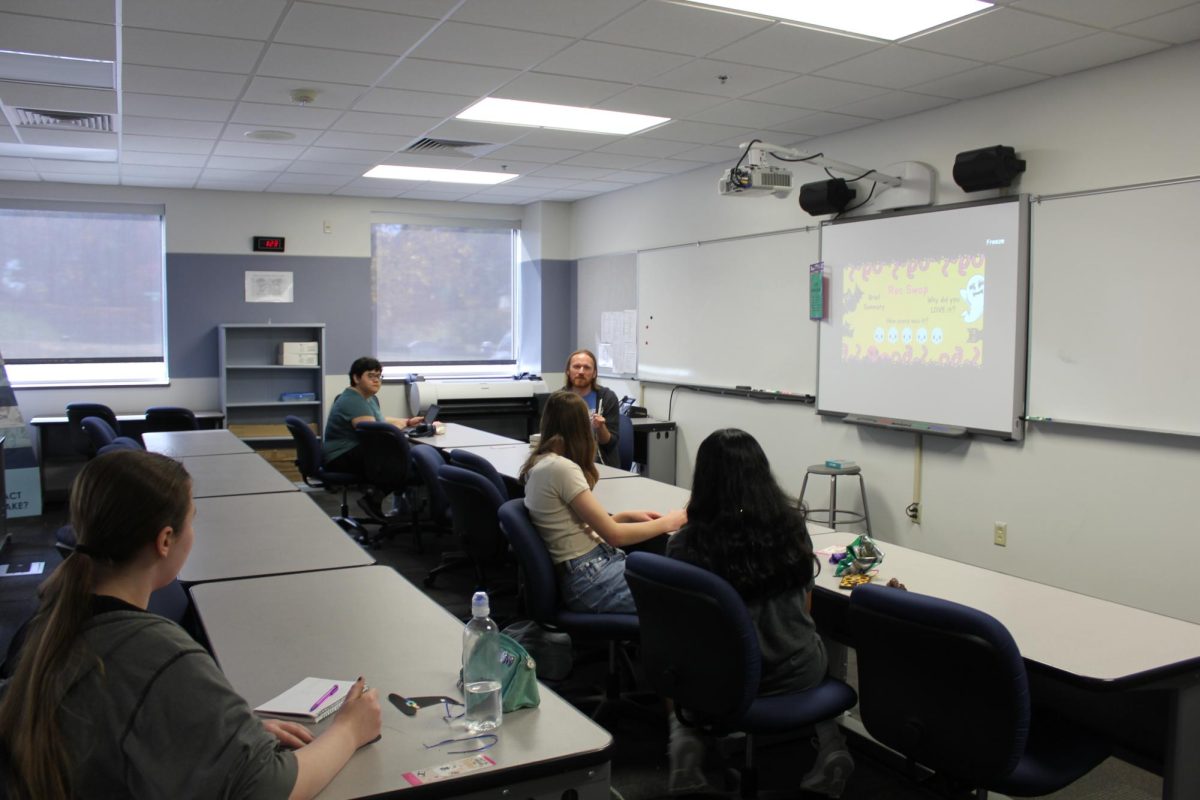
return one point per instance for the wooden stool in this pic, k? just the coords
(830, 514)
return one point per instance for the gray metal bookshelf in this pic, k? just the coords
(255, 384)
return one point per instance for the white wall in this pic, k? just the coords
(1107, 513)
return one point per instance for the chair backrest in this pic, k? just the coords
(540, 583)
(699, 645)
(924, 666)
(75, 415)
(385, 451)
(99, 432)
(309, 457)
(119, 443)
(478, 464)
(625, 441)
(426, 460)
(474, 506)
(170, 418)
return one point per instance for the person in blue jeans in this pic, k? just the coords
(583, 540)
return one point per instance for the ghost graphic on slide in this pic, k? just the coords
(973, 295)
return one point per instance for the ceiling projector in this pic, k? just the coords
(755, 179)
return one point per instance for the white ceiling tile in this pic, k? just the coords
(713, 153)
(893, 104)
(18, 175)
(567, 140)
(182, 82)
(391, 124)
(724, 78)
(284, 116)
(362, 141)
(1091, 51)
(746, 112)
(329, 168)
(823, 123)
(371, 187)
(541, 155)
(402, 101)
(1101, 13)
(818, 94)
(236, 132)
(671, 166)
(299, 188)
(334, 155)
(279, 90)
(57, 37)
(352, 29)
(612, 62)
(979, 82)
(161, 105)
(157, 182)
(241, 20)
(165, 144)
(1176, 27)
(425, 75)
(187, 51)
(180, 128)
(559, 89)
(999, 34)
(579, 173)
(600, 187)
(435, 194)
(251, 149)
(163, 159)
(641, 146)
(328, 181)
(697, 132)
(632, 176)
(794, 49)
(319, 64)
(561, 17)
(188, 174)
(565, 196)
(676, 29)
(504, 165)
(247, 164)
(467, 131)
(421, 8)
(63, 9)
(660, 102)
(544, 183)
(491, 47)
(45, 165)
(226, 174)
(606, 160)
(224, 180)
(97, 178)
(897, 67)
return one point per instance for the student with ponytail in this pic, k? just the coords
(109, 700)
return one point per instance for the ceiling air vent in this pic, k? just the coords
(445, 147)
(61, 120)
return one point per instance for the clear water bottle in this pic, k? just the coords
(481, 668)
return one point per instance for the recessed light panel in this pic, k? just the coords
(880, 19)
(566, 118)
(399, 173)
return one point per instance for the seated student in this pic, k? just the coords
(580, 535)
(109, 700)
(358, 403)
(742, 527)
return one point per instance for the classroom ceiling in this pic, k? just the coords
(198, 78)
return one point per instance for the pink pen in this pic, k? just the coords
(332, 691)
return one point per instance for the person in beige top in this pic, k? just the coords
(582, 538)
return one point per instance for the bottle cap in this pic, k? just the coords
(479, 605)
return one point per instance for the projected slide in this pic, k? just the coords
(919, 311)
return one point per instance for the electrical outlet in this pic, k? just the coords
(1001, 534)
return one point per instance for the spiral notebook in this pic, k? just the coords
(310, 700)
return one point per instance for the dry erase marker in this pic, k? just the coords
(332, 691)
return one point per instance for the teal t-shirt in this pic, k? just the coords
(340, 437)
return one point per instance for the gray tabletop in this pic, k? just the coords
(269, 633)
(178, 444)
(457, 435)
(246, 473)
(266, 534)
(509, 458)
(640, 494)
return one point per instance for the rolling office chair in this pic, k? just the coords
(388, 462)
(427, 460)
(539, 591)
(102, 437)
(465, 459)
(170, 418)
(75, 416)
(474, 506)
(625, 441)
(700, 649)
(945, 685)
(310, 460)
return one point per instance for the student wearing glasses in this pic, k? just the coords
(358, 403)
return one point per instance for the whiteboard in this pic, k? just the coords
(1114, 283)
(729, 313)
(604, 284)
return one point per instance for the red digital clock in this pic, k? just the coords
(268, 244)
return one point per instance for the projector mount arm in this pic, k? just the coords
(757, 152)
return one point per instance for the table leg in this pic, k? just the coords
(1181, 772)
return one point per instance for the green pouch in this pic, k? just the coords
(518, 676)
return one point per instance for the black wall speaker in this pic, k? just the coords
(987, 168)
(826, 197)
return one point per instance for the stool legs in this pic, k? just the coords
(862, 488)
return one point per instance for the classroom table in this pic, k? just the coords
(458, 435)
(1081, 641)
(177, 444)
(640, 494)
(269, 633)
(242, 473)
(509, 458)
(253, 535)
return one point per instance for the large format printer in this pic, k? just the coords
(509, 407)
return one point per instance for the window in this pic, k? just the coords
(82, 294)
(445, 296)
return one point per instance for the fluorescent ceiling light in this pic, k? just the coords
(881, 19)
(398, 173)
(567, 118)
(94, 73)
(56, 152)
